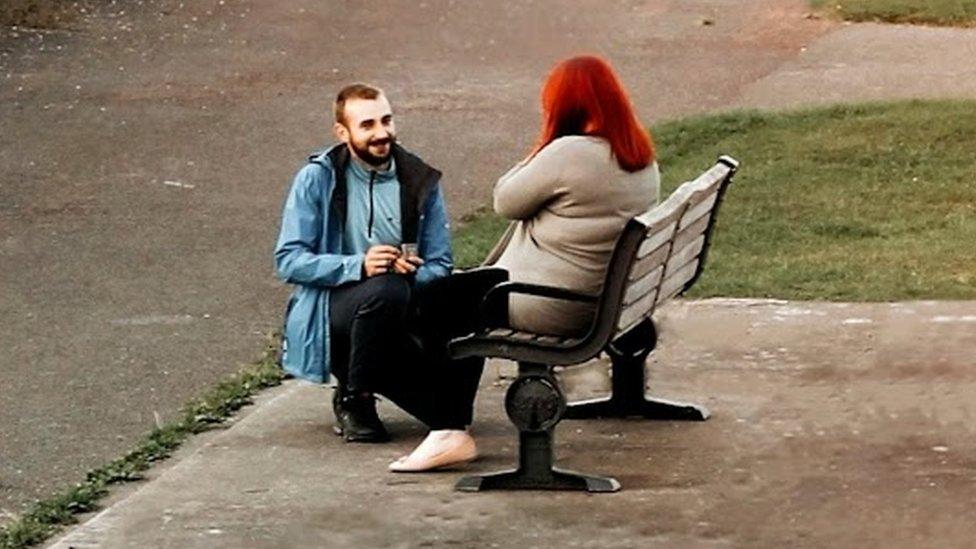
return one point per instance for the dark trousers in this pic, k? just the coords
(389, 339)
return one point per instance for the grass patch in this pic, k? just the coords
(40, 14)
(475, 236)
(955, 13)
(872, 202)
(46, 517)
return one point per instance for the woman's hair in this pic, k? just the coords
(583, 96)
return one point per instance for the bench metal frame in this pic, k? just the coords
(658, 256)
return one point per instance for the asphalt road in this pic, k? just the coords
(145, 152)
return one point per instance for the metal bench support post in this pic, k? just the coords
(627, 356)
(535, 404)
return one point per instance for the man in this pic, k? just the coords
(349, 213)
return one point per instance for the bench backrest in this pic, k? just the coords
(661, 253)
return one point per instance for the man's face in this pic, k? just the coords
(368, 129)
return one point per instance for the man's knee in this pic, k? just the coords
(389, 293)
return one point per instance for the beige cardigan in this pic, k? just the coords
(571, 202)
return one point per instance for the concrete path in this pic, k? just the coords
(834, 426)
(871, 62)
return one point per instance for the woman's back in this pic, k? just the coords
(572, 200)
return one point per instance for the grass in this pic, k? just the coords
(39, 14)
(46, 517)
(955, 13)
(871, 202)
(475, 236)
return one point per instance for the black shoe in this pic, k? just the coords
(356, 419)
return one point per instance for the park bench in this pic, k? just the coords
(659, 255)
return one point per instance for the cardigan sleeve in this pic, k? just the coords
(532, 183)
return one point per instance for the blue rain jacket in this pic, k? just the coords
(308, 252)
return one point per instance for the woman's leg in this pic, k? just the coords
(449, 308)
(424, 381)
(445, 395)
(424, 387)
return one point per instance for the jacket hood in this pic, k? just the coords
(322, 156)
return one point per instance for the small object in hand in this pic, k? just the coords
(408, 250)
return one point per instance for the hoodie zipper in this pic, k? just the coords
(372, 179)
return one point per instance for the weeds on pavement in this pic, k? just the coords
(46, 517)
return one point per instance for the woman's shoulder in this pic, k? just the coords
(587, 142)
(582, 147)
(652, 170)
(650, 175)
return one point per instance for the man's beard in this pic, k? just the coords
(362, 151)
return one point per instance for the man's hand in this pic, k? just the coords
(407, 265)
(379, 259)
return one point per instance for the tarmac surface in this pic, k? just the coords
(833, 425)
(146, 150)
(870, 61)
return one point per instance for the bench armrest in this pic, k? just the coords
(506, 288)
(496, 300)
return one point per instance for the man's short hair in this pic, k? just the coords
(353, 91)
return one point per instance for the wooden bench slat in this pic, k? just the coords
(665, 213)
(680, 258)
(691, 232)
(643, 266)
(711, 178)
(531, 338)
(697, 211)
(655, 239)
(635, 312)
(638, 288)
(674, 283)
(624, 328)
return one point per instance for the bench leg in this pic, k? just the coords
(535, 404)
(536, 472)
(627, 379)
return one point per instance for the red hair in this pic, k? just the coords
(583, 96)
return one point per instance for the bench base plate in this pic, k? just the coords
(647, 408)
(557, 479)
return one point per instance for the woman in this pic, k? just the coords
(592, 170)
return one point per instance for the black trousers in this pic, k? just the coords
(388, 338)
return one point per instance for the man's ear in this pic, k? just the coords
(341, 131)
